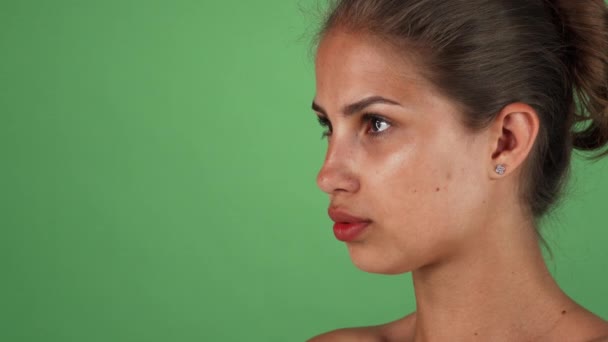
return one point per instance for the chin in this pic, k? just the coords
(371, 261)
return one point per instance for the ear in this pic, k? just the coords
(512, 136)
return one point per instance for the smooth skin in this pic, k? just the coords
(399, 155)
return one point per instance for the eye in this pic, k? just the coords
(324, 122)
(377, 124)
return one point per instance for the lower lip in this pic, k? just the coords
(349, 231)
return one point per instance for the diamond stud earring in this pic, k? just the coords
(500, 169)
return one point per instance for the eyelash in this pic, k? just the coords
(324, 122)
(367, 118)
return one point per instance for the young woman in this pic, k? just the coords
(450, 127)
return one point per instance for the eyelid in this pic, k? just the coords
(369, 116)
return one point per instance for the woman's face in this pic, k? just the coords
(401, 160)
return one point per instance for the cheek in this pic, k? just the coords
(414, 180)
(422, 198)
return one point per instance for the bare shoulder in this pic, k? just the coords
(584, 325)
(361, 334)
(601, 339)
(595, 325)
(601, 328)
(399, 330)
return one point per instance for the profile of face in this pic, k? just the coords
(398, 156)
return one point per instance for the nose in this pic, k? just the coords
(338, 173)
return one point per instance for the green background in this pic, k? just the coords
(158, 163)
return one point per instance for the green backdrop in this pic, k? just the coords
(158, 163)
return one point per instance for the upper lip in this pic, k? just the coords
(342, 216)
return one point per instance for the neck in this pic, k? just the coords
(498, 289)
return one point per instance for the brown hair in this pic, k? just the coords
(486, 54)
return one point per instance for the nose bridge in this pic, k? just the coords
(338, 172)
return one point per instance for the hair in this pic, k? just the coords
(486, 54)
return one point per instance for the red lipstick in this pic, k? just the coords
(347, 227)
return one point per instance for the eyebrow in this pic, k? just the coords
(358, 106)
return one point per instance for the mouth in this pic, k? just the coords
(347, 227)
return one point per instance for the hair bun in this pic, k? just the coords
(585, 33)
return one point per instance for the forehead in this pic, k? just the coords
(350, 66)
